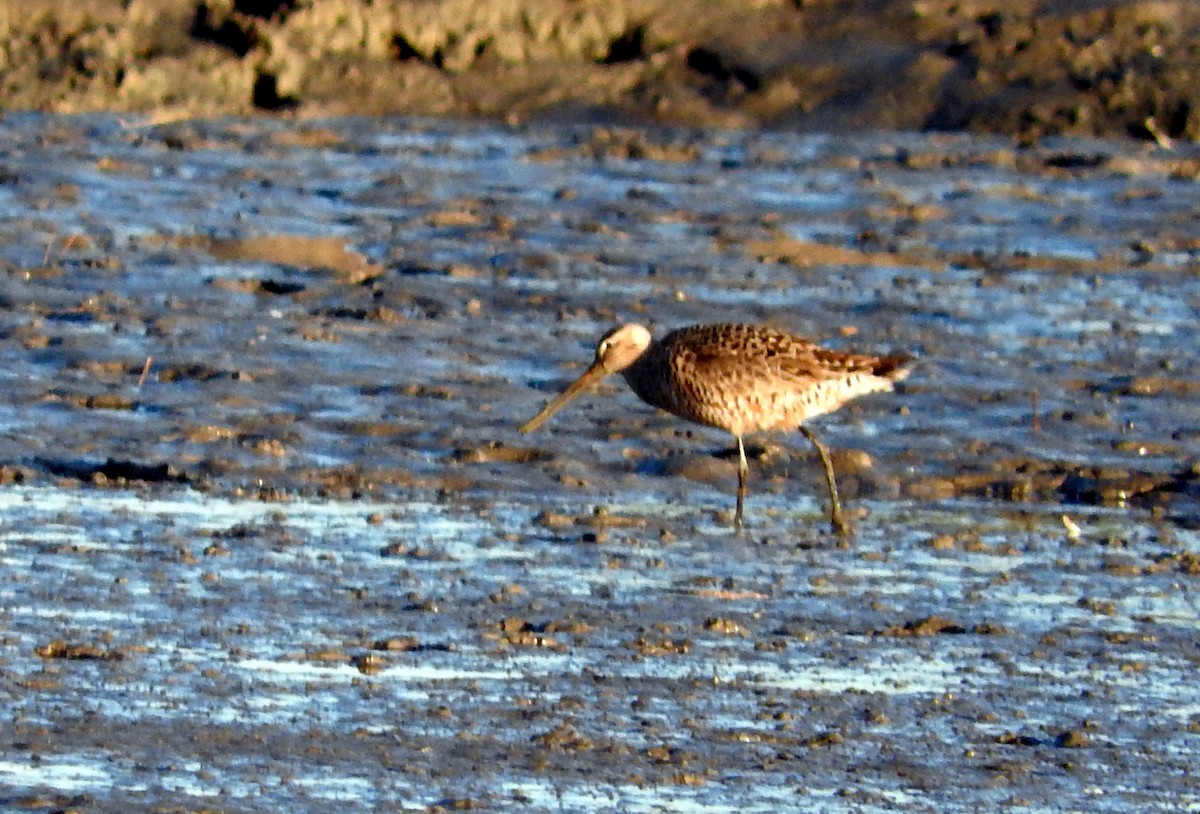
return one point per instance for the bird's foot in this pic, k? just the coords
(839, 522)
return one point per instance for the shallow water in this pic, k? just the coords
(270, 539)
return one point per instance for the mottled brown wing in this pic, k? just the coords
(758, 358)
(824, 363)
(750, 378)
(750, 358)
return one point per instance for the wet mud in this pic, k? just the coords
(271, 540)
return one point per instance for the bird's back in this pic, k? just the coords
(747, 378)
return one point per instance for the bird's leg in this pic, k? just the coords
(837, 522)
(743, 470)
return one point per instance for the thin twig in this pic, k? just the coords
(66, 246)
(145, 371)
(1161, 138)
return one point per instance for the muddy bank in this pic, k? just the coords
(372, 292)
(175, 651)
(270, 540)
(1029, 69)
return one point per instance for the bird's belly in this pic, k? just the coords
(769, 409)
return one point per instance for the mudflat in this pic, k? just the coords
(270, 539)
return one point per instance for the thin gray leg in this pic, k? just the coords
(837, 522)
(743, 471)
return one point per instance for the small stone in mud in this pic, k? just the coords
(661, 647)
(670, 755)
(330, 654)
(771, 646)
(495, 452)
(272, 447)
(1072, 739)
(513, 624)
(989, 629)
(430, 554)
(104, 401)
(395, 643)
(59, 649)
(942, 542)
(825, 739)
(553, 520)
(456, 804)
(875, 716)
(12, 475)
(701, 468)
(1102, 607)
(721, 625)
(1013, 739)
(847, 462)
(1121, 568)
(504, 593)
(368, 663)
(1185, 562)
(519, 633)
(395, 548)
(563, 737)
(928, 626)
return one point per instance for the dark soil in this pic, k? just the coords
(1028, 69)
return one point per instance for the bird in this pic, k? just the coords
(740, 378)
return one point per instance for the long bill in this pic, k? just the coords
(590, 376)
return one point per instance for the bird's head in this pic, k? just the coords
(616, 351)
(621, 347)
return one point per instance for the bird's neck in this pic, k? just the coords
(648, 379)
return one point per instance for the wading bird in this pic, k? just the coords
(738, 378)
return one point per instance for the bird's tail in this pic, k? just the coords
(893, 368)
